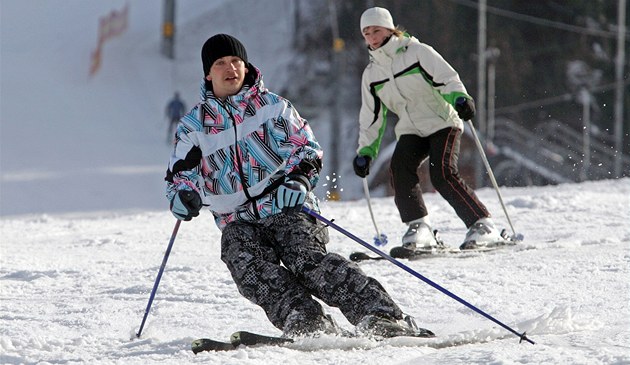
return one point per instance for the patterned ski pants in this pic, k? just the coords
(280, 263)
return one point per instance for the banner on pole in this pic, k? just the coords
(109, 26)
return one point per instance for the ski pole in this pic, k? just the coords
(490, 174)
(380, 239)
(522, 336)
(159, 276)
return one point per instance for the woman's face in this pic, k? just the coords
(375, 35)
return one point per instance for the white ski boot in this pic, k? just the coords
(482, 234)
(419, 236)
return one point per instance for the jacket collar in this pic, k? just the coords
(394, 46)
(253, 85)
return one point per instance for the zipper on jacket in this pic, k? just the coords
(239, 163)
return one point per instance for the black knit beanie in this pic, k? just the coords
(218, 46)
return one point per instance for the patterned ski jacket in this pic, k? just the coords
(412, 80)
(236, 153)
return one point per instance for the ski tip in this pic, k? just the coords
(206, 344)
(196, 346)
(359, 256)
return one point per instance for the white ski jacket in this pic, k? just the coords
(412, 80)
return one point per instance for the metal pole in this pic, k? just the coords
(380, 239)
(493, 55)
(619, 89)
(481, 82)
(335, 119)
(491, 94)
(168, 29)
(492, 179)
(159, 276)
(585, 97)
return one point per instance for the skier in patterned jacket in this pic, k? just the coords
(246, 153)
(412, 80)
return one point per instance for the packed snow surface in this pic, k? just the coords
(74, 287)
(84, 224)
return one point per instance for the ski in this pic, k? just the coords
(237, 339)
(441, 250)
(405, 253)
(206, 344)
(244, 338)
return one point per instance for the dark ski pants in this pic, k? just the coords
(280, 263)
(442, 149)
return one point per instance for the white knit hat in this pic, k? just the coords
(377, 16)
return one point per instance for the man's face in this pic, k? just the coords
(374, 35)
(227, 75)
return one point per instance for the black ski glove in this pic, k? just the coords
(361, 165)
(290, 196)
(186, 205)
(465, 108)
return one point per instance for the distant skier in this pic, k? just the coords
(246, 153)
(413, 81)
(175, 109)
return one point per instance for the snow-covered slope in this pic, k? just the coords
(74, 288)
(84, 222)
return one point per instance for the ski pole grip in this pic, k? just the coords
(362, 161)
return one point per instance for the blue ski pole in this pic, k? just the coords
(522, 336)
(159, 276)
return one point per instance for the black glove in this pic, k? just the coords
(361, 165)
(465, 108)
(186, 204)
(290, 196)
